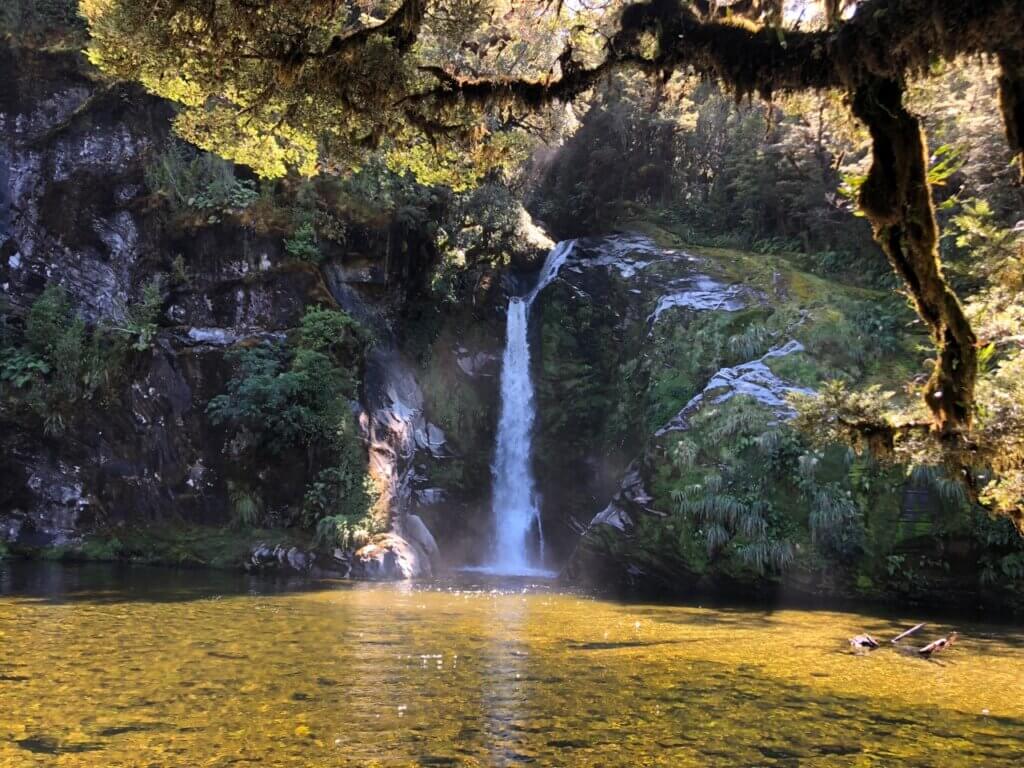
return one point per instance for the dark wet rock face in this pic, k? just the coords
(75, 210)
(73, 152)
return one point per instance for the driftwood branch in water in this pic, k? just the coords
(866, 642)
(938, 645)
(908, 633)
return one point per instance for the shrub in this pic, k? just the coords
(342, 495)
(198, 181)
(837, 524)
(21, 368)
(48, 319)
(328, 330)
(291, 396)
(58, 361)
(302, 244)
(143, 315)
(246, 507)
(284, 397)
(342, 531)
(56, 364)
(285, 401)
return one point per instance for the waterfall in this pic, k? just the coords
(519, 542)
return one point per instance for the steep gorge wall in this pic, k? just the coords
(664, 457)
(75, 210)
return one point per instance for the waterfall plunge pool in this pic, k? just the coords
(131, 666)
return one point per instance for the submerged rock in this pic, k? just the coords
(264, 556)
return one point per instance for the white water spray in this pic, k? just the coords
(515, 500)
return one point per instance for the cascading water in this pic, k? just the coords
(517, 549)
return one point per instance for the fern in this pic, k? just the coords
(770, 442)
(716, 537)
(752, 342)
(836, 522)
(684, 454)
(751, 525)
(246, 509)
(951, 492)
(737, 418)
(344, 532)
(807, 468)
(767, 555)
(726, 520)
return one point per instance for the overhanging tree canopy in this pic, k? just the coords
(438, 86)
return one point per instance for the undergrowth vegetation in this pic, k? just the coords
(297, 398)
(52, 361)
(189, 179)
(740, 494)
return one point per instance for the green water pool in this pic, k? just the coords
(146, 667)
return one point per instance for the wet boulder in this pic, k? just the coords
(390, 557)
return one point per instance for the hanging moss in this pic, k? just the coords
(897, 200)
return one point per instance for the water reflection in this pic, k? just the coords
(130, 668)
(505, 662)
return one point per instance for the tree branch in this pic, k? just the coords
(885, 38)
(402, 27)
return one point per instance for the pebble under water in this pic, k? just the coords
(148, 667)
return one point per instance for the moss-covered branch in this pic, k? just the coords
(402, 27)
(897, 200)
(885, 38)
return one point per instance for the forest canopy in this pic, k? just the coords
(444, 83)
(452, 90)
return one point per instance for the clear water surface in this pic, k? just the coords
(147, 667)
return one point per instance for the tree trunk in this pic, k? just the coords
(896, 197)
(1011, 102)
